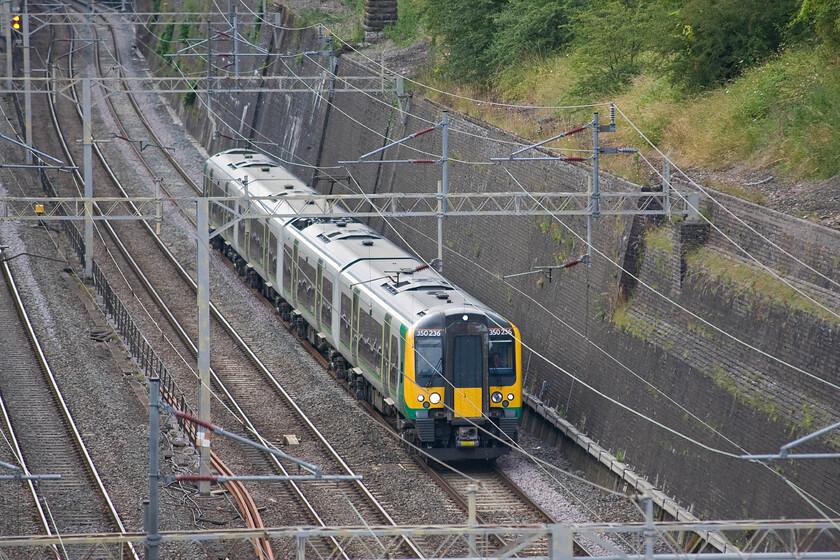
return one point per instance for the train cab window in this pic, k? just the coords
(428, 361)
(501, 361)
(467, 363)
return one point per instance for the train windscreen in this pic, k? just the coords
(428, 360)
(501, 361)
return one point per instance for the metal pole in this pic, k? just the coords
(88, 174)
(153, 537)
(27, 91)
(596, 195)
(439, 267)
(471, 517)
(7, 33)
(209, 72)
(202, 227)
(235, 24)
(561, 543)
(589, 229)
(649, 531)
(666, 187)
(444, 184)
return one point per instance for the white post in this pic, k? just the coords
(27, 92)
(203, 259)
(87, 143)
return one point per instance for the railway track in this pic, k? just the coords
(46, 440)
(242, 381)
(243, 388)
(499, 500)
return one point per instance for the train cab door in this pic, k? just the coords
(465, 371)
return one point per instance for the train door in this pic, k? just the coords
(295, 273)
(465, 370)
(354, 325)
(319, 292)
(385, 360)
(391, 356)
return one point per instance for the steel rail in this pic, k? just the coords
(245, 502)
(232, 331)
(254, 358)
(68, 417)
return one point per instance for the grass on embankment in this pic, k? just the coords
(781, 117)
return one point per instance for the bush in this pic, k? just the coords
(825, 15)
(467, 29)
(525, 28)
(711, 41)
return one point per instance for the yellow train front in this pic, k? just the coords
(462, 388)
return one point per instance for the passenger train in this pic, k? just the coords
(418, 348)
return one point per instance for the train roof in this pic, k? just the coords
(373, 263)
(382, 268)
(262, 176)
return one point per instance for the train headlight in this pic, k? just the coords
(421, 398)
(435, 398)
(510, 396)
(496, 397)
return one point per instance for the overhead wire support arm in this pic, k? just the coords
(784, 450)
(18, 474)
(443, 185)
(544, 142)
(400, 141)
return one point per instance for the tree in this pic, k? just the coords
(711, 41)
(609, 36)
(467, 29)
(826, 17)
(536, 27)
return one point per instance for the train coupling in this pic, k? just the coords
(467, 436)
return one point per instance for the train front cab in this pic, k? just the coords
(463, 384)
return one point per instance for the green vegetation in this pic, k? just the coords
(714, 81)
(404, 32)
(753, 284)
(632, 325)
(660, 239)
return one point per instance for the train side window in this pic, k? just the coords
(256, 247)
(306, 284)
(370, 343)
(501, 358)
(287, 268)
(394, 361)
(346, 311)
